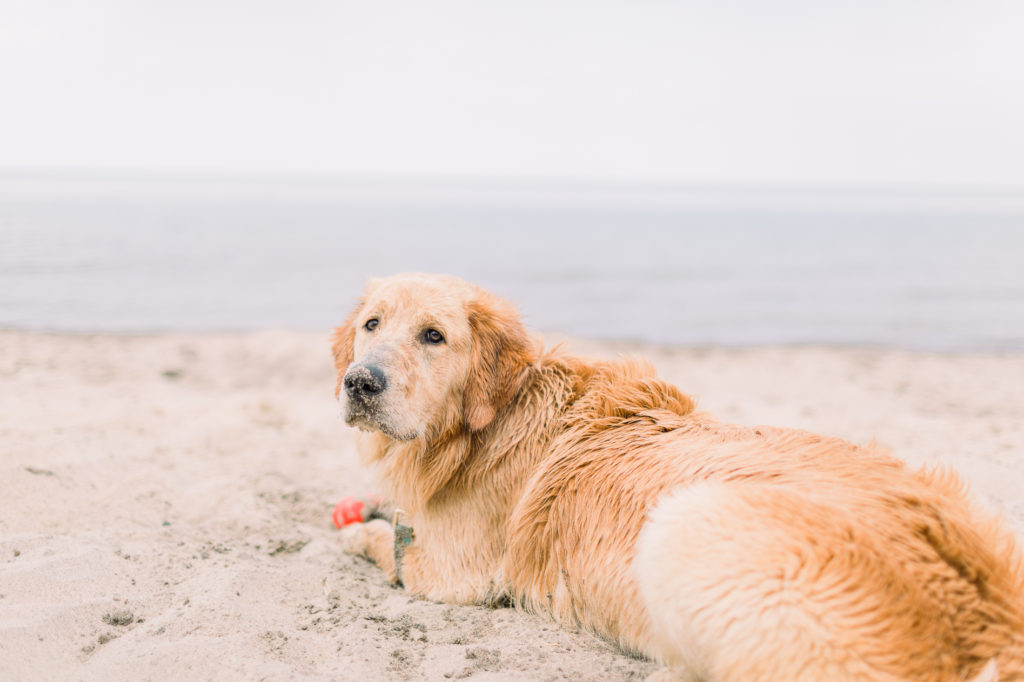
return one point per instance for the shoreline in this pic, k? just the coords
(170, 497)
(550, 338)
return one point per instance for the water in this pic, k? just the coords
(699, 267)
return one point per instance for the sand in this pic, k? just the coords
(166, 500)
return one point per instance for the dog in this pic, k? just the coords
(595, 492)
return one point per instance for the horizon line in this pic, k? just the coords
(340, 179)
(519, 186)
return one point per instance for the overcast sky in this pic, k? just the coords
(863, 92)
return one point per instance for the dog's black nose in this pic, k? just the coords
(364, 381)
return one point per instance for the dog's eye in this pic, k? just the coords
(432, 336)
(371, 324)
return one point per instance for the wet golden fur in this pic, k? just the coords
(594, 492)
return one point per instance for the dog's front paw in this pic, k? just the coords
(353, 538)
(375, 540)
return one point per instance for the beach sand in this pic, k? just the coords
(166, 502)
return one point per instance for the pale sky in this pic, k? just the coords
(862, 92)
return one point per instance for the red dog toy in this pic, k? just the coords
(355, 510)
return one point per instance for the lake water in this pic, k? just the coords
(696, 266)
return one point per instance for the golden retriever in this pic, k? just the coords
(594, 492)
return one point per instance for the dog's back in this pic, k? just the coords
(772, 553)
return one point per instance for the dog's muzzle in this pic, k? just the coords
(363, 383)
(367, 402)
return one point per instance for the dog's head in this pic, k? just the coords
(424, 355)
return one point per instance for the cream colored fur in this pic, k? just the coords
(594, 492)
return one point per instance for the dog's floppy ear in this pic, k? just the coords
(342, 341)
(501, 351)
